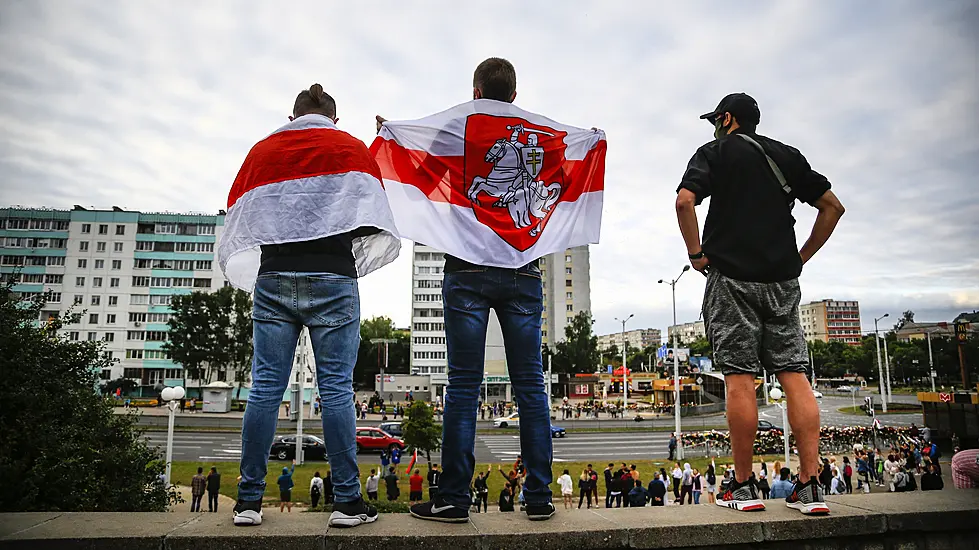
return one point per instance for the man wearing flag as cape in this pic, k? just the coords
(495, 188)
(306, 217)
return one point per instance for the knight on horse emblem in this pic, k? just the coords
(513, 179)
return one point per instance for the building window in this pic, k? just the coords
(166, 229)
(93, 318)
(131, 372)
(205, 247)
(82, 263)
(567, 258)
(203, 265)
(114, 282)
(205, 229)
(567, 270)
(570, 307)
(141, 281)
(116, 264)
(160, 282)
(56, 260)
(83, 246)
(117, 247)
(139, 299)
(568, 283)
(120, 230)
(103, 229)
(110, 318)
(172, 373)
(160, 300)
(79, 281)
(142, 264)
(99, 264)
(93, 336)
(96, 300)
(106, 374)
(100, 246)
(73, 336)
(54, 298)
(109, 337)
(77, 300)
(569, 295)
(144, 246)
(86, 228)
(113, 300)
(96, 281)
(202, 283)
(135, 335)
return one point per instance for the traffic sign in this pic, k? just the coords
(700, 380)
(945, 397)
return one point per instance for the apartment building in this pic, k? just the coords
(121, 269)
(831, 320)
(640, 338)
(687, 332)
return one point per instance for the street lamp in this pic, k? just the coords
(625, 368)
(776, 394)
(676, 365)
(172, 396)
(384, 341)
(880, 368)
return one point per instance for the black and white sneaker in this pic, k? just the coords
(742, 496)
(437, 510)
(540, 512)
(352, 514)
(808, 498)
(248, 512)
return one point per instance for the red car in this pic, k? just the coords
(376, 439)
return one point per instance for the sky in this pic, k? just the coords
(153, 105)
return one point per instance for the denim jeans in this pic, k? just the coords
(329, 305)
(516, 296)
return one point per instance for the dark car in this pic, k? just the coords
(557, 432)
(284, 448)
(766, 426)
(392, 428)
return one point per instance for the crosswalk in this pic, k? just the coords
(199, 446)
(586, 446)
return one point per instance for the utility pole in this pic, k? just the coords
(887, 370)
(299, 405)
(676, 367)
(384, 341)
(880, 366)
(625, 367)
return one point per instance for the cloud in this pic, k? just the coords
(152, 106)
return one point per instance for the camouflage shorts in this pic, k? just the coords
(751, 325)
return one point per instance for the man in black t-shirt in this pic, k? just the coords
(752, 264)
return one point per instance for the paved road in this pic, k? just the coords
(504, 447)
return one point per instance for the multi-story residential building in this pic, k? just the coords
(830, 320)
(687, 332)
(566, 291)
(640, 338)
(121, 269)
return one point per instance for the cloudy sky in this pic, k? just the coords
(153, 105)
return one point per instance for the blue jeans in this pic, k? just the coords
(696, 497)
(517, 298)
(329, 305)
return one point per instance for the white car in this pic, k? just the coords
(844, 389)
(511, 420)
(817, 395)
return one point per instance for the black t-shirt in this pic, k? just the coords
(391, 482)
(453, 264)
(327, 255)
(748, 234)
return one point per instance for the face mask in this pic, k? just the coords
(719, 128)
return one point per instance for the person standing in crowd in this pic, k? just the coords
(286, 484)
(638, 496)
(686, 484)
(198, 484)
(391, 484)
(672, 446)
(763, 487)
(584, 488)
(433, 481)
(711, 482)
(593, 475)
(932, 479)
(415, 488)
(657, 490)
(847, 474)
(891, 468)
(213, 489)
(506, 498)
(609, 477)
(752, 263)
(677, 481)
(698, 486)
(275, 244)
(782, 487)
(480, 484)
(567, 489)
(371, 485)
(863, 472)
(315, 490)
(826, 476)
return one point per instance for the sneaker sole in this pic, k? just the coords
(812, 509)
(344, 520)
(742, 505)
(443, 520)
(243, 520)
(541, 517)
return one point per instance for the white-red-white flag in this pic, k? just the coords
(305, 181)
(493, 184)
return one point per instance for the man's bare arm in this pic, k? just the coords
(686, 214)
(830, 211)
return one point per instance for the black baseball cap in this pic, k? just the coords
(742, 106)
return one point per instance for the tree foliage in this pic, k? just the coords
(578, 353)
(420, 430)
(63, 448)
(370, 357)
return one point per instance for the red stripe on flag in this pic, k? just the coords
(296, 154)
(441, 178)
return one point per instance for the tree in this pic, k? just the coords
(578, 352)
(702, 347)
(420, 430)
(191, 339)
(906, 317)
(232, 320)
(370, 357)
(63, 447)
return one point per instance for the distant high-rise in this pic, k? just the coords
(830, 320)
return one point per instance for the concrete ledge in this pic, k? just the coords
(928, 521)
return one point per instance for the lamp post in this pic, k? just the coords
(880, 366)
(384, 341)
(887, 370)
(776, 394)
(625, 367)
(676, 366)
(172, 396)
(931, 362)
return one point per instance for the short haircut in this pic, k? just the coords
(610, 465)
(200, 470)
(784, 473)
(496, 79)
(567, 472)
(314, 101)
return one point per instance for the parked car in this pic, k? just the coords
(845, 389)
(557, 432)
(766, 426)
(376, 439)
(511, 420)
(284, 448)
(817, 394)
(392, 428)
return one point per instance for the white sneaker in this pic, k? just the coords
(248, 513)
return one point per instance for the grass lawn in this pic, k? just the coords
(182, 472)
